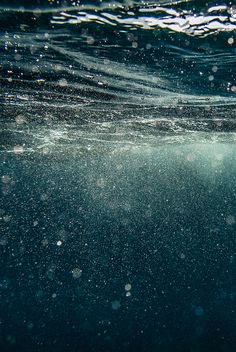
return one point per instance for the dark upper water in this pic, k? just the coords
(117, 176)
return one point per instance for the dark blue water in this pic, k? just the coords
(118, 176)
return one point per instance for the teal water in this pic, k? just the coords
(118, 198)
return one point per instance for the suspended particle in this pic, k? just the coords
(62, 82)
(76, 273)
(128, 287)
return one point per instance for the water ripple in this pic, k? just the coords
(120, 62)
(216, 19)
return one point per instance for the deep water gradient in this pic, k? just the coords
(77, 227)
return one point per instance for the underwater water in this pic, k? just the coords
(117, 176)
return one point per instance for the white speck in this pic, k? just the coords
(233, 89)
(20, 119)
(6, 179)
(76, 273)
(128, 294)
(58, 67)
(44, 197)
(230, 40)
(90, 40)
(54, 295)
(62, 82)
(59, 243)
(7, 218)
(128, 287)
(18, 149)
